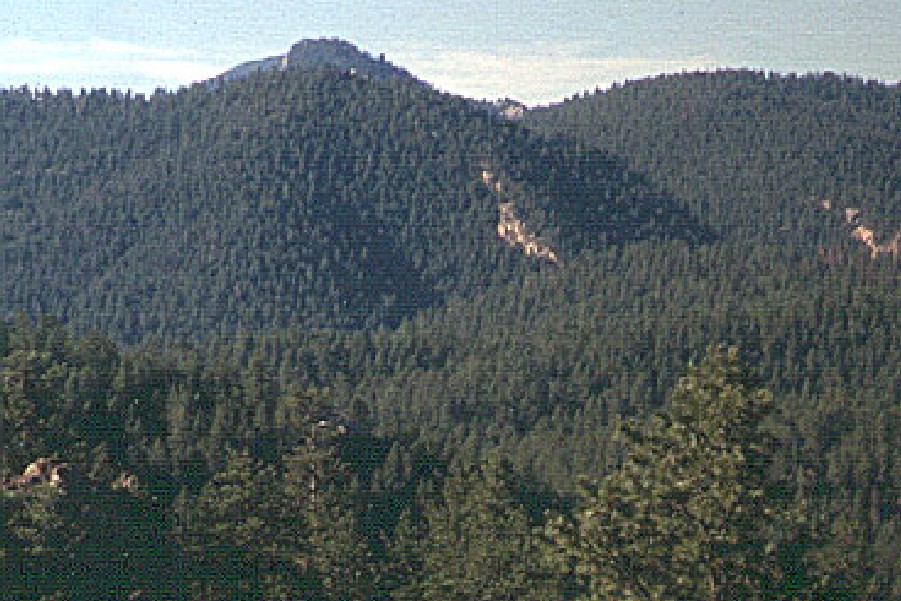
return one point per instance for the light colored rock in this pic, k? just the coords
(41, 471)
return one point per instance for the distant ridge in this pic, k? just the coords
(751, 149)
(314, 54)
(343, 55)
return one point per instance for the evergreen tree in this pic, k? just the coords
(478, 542)
(237, 535)
(690, 513)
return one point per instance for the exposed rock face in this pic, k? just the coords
(514, 113)
(865, 235)
(503, 108)
(489, 180)
(58, 474)
(511, 229)
(311, 54)
(868, 237)
(307, 54)
(128, 482)
(244, 70)
(41, 471)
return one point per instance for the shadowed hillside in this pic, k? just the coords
(314, 198)
(390, 346)
(756, 154)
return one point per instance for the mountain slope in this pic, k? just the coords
(547, 286)
(318, 198)
(759, 155)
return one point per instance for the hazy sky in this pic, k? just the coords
(538, 51)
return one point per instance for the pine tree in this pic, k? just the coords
(235, 535)
(279, 531)
(319, 491)
(479, 542)
(690, 514)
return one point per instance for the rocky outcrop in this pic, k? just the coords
(127, 482)
(865, 235)
(512, 111)
(257, 66)
(502, 108)
(510, 227)
(512, 230)
(40, 472)
(313, 54)
(59, 475)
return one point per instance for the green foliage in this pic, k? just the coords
(284, 531)
(321, 489)
(755, 153)
(237, 533)
(310, 505)
(299, 197)
(689, 514)
(84, 541)
(319, 199)
(478, 541)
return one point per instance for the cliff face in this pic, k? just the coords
(41, 471)
(246, 69)
(866, 235)
(513, 231)
(309, 54)
(312, 54)
(510, 227)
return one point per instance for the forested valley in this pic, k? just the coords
(314, 334)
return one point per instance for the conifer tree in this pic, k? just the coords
(232, 533)
(690, 514)
(479, 542)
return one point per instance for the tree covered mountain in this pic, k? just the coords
(316, 54)
(315, 198)
(767, 157)
(287, 463)
(393, 347)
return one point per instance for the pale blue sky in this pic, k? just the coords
(538, 51)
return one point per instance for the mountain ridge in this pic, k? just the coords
(308, 54)
(749, 148)
(334, 302)
(329, 199)
(321, 197)
(336, 53)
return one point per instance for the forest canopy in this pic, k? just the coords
(271, 341)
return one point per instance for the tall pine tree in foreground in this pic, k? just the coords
(478, 542)
(690, 514)
(285, 530)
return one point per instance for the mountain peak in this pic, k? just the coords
(335, 52)
(323, 52)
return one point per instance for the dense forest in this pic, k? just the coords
(756, 154)
(293, 353)
(314, 197)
